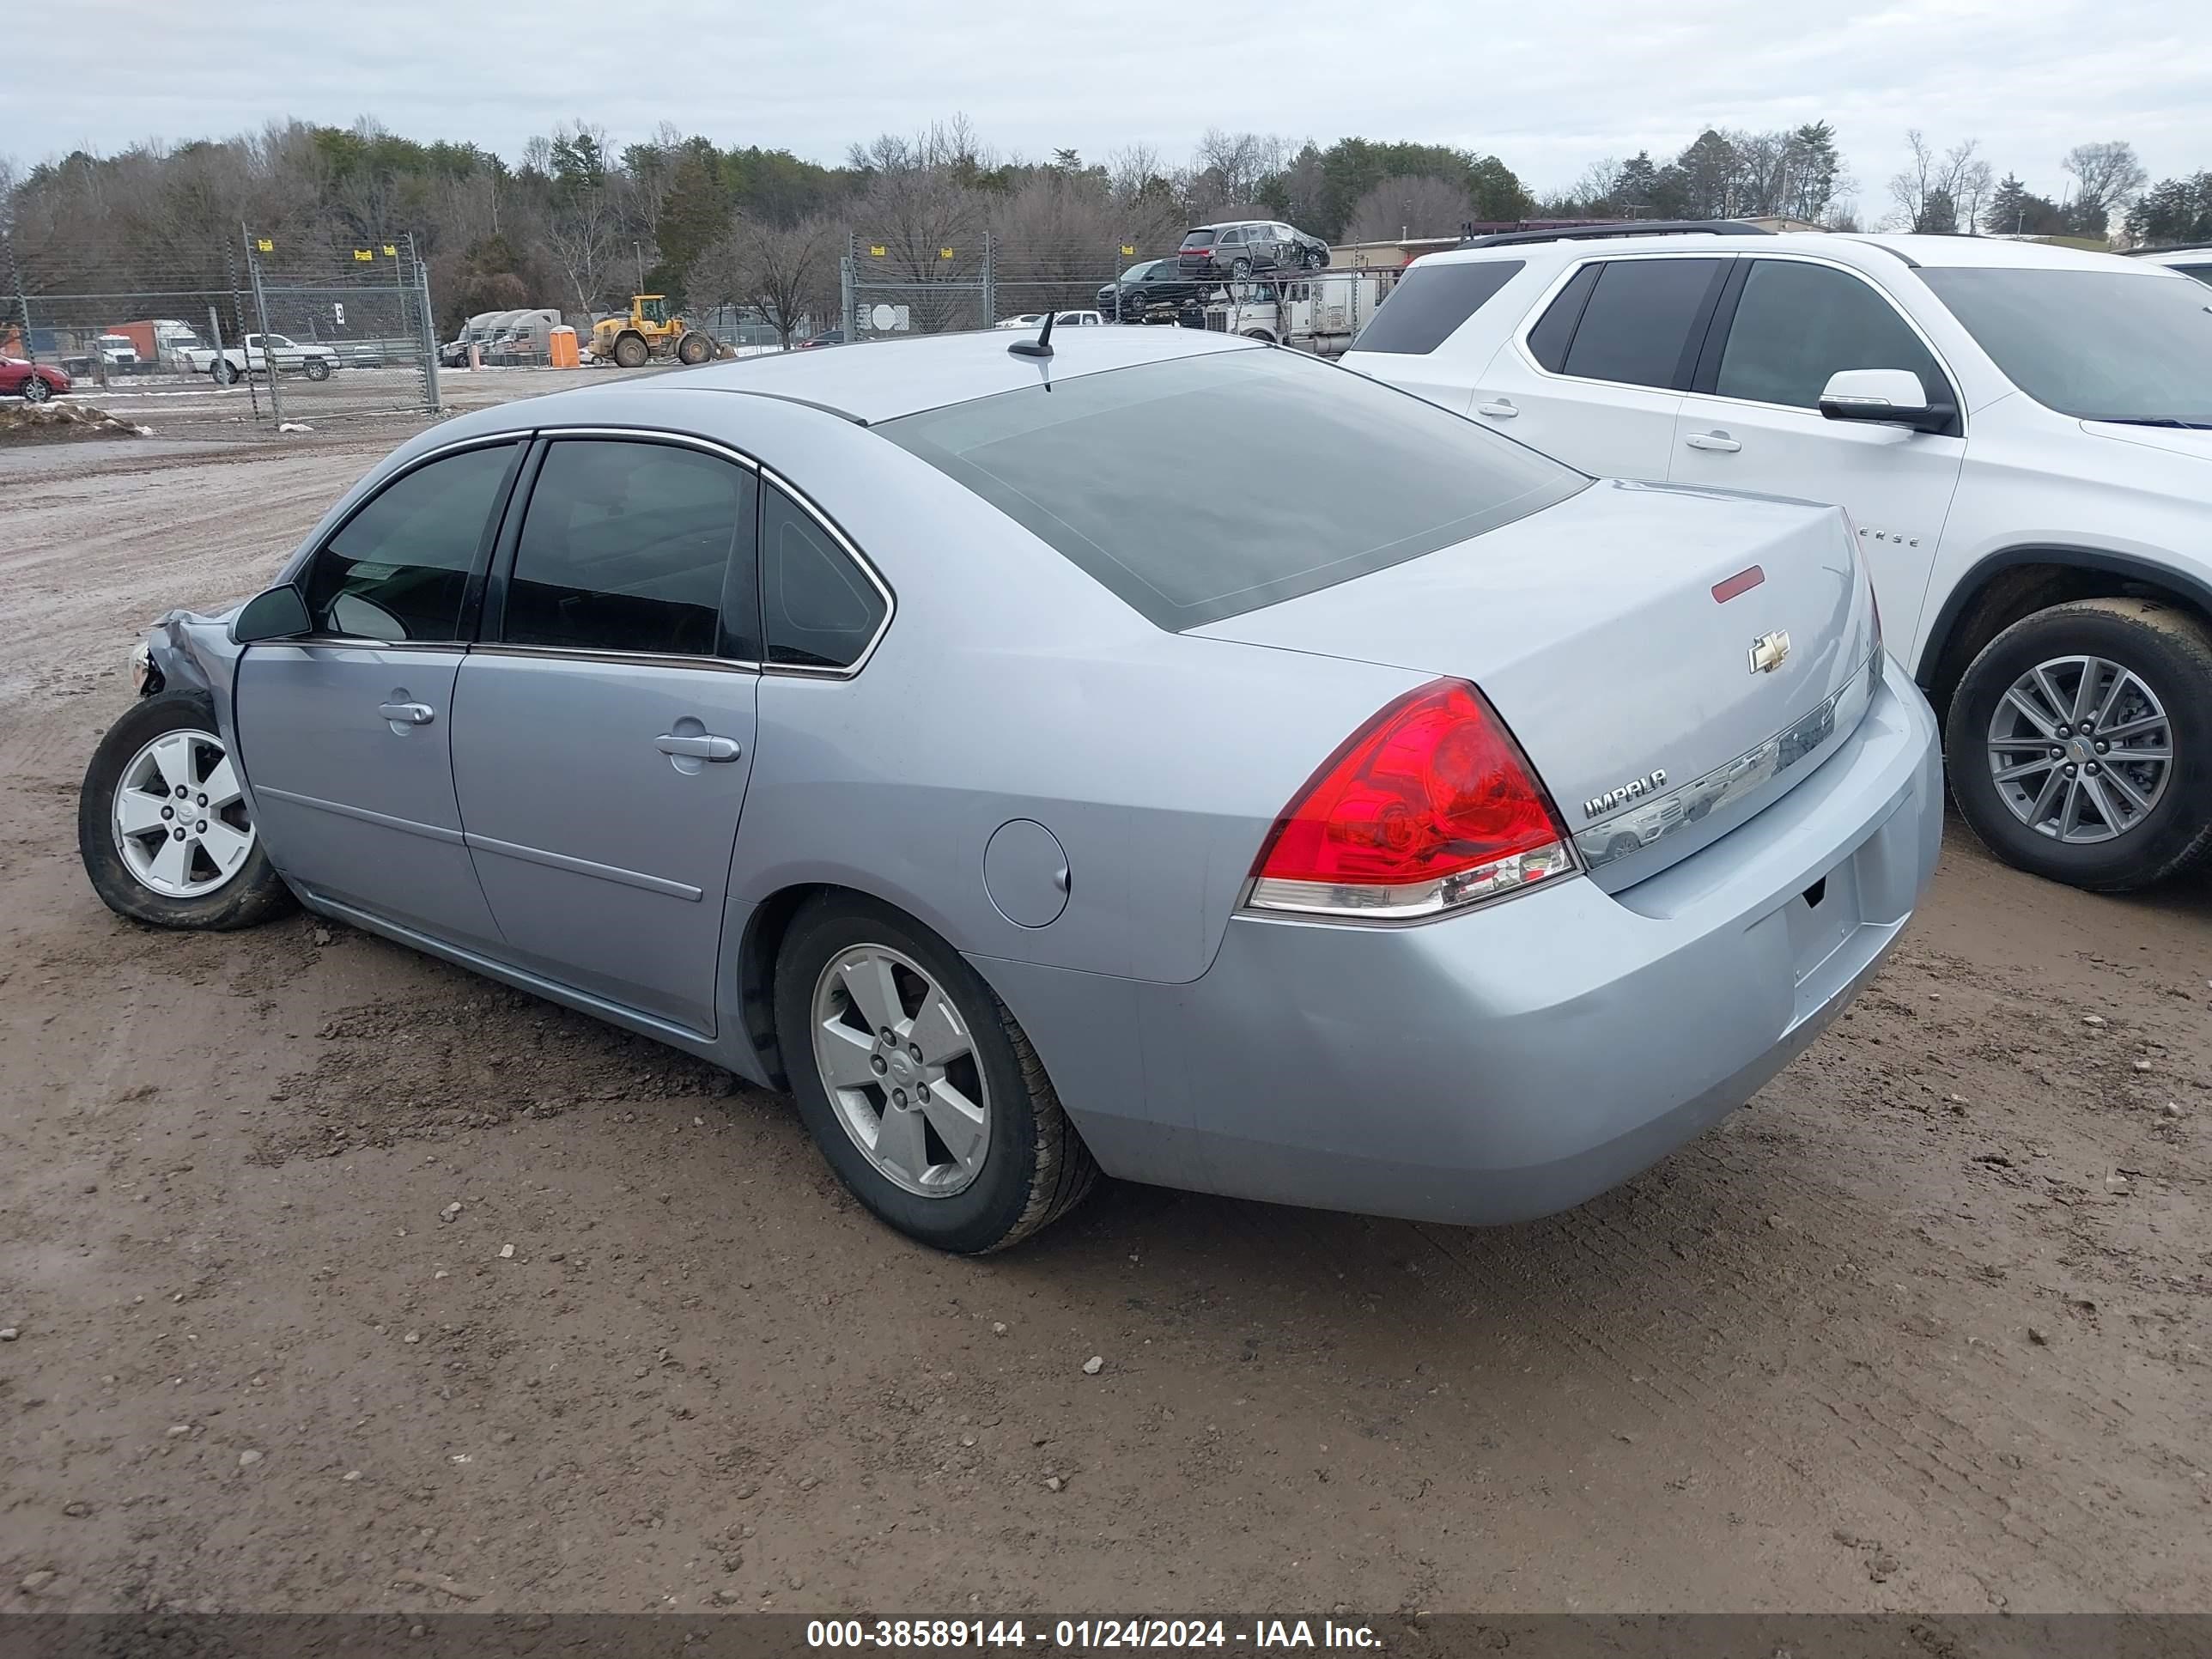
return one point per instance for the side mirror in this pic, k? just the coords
(278, 614)
(1884, 396)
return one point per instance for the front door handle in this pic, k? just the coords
(407, 713)
(705, 748)
(1503, 410)
(1719, 440)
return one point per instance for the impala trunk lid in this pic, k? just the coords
(1671, 660)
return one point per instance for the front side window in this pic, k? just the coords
(399, 568)
(1636, 329)
(1797, 325)
(1431, 301)
(1312, 476)
(818, 609)
(631, 547)
(2099, 346)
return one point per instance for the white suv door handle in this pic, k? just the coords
(1502, 410)
(1719, 440)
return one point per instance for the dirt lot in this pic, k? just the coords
(1925, 1327)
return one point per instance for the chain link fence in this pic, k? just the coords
(277, 340)
(893, 285)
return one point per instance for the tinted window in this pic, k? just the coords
(1309, 477)
(1232, 238)
(819, 608)
(1555, 329)
(2202, 273)
(1636, 326)
(1796, 325)
(1429, 301)
(399, 568)
(1198, 238)
(627, 547)
(2099, 346)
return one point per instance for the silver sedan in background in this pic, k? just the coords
(1168, 755)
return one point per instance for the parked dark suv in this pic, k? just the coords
(1247, 246)
(1143, 287)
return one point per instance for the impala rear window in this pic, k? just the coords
(1211, 485)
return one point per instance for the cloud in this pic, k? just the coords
(1549, 89)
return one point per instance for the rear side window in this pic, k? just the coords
(1198, 238)
(1308, 476)
(1796, 325)
(1431, 300)
(819, 608)
(630, 547)
(1637, 328)
(399, 568)
(1555, 329)
(2202, 273)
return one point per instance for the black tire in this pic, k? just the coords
(36, 389)
(694, 349)
(1240, 268)
(1035, 1167)
(315, 368)
(255, 894)
(1313, 258)
(631, 351)
(225, 372)
(2171, 652)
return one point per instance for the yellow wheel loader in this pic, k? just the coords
(649, 333)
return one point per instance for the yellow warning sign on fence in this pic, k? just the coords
(945, 253)
(1128, 251)
(877, 249)
(391, 251)
(363, 255)
(262, 244)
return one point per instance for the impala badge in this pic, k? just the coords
(1636, 789)
(1770, 650)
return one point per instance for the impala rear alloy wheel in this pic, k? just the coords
(900, 1068)
(916, 1083)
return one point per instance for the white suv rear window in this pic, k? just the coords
(1431, 301)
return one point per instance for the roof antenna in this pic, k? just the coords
(1040, 347)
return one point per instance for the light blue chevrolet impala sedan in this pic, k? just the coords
(1161, 753)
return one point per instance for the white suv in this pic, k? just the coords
(2189, 261)
(2022, 435)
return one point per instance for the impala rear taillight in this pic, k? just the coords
(1429, 807)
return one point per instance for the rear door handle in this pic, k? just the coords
(407, 713)
(1719, 440)
(1502, 410)
(707, 748)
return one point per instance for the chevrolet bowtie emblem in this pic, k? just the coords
(1770, 650)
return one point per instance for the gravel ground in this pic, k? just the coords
(1925, 1327)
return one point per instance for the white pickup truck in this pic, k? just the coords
(257, 354)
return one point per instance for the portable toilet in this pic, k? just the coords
(561, 347)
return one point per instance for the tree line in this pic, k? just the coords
(578, 223)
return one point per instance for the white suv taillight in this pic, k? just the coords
(1429, 807)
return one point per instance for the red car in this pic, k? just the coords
(32, 382)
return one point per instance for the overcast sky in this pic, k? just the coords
(1547, 87)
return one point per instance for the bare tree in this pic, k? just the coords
(786, 275)
(2108, 177)
(1228, 168)
(1929, 191)
(1417, 205)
